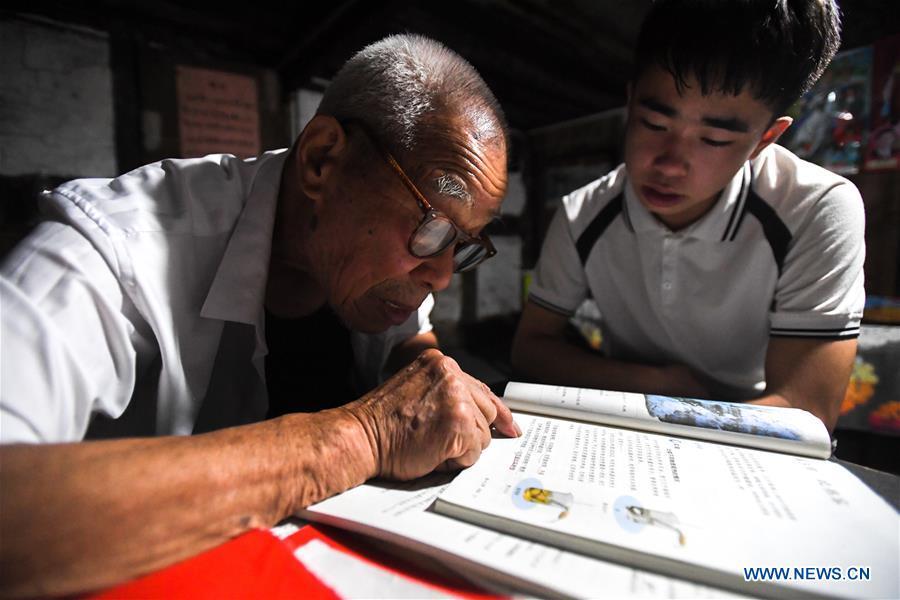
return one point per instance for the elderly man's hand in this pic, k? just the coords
(430, 415)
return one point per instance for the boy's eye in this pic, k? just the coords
(716, 143)
(652, 126)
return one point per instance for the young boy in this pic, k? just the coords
(723, 265)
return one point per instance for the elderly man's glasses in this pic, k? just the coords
(436, 231)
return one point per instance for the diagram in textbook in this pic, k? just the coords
(634, 518)
(530, 494)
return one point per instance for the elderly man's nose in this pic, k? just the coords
(435, 272)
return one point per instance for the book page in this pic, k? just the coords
(701, 510)
(772, 428)
(398, 512)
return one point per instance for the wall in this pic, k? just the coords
(56, 111)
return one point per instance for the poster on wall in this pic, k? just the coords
(217, 112)
(831, 120)
(883, 147)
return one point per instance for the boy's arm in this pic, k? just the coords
(809, 374)
(540, 352)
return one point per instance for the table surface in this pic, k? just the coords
(884, 484)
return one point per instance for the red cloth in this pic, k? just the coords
(255, 564)
(259, 565)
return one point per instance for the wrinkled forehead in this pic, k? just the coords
(475, 127)
(463, 154)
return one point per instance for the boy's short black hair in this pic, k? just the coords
(775, 48)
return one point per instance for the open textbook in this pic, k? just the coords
(758, 522)
(788, 430)
(399, 513)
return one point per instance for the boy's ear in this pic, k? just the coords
(319, 148)
(778, 127)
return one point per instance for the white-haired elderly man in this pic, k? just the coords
(142, 305)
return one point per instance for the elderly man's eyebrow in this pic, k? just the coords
(448, 184)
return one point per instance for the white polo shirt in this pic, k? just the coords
(780, 254)
(145, 292)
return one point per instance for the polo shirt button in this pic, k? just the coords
(667, 285)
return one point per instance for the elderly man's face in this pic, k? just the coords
(370, 278)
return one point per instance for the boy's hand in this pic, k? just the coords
(679, 380)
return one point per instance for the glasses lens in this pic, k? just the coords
(468, 256)
(432, 237)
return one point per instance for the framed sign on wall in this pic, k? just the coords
(218, 111)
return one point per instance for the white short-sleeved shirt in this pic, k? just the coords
(780, 254)
(146, 292)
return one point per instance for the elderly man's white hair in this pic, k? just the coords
(393, 84)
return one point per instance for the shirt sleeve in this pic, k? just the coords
(423, 316)
(559, 281)
(65, 351)
(820, 290)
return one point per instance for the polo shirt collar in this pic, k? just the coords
(238, 289)
(715, 225)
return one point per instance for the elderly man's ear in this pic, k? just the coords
(319, 150)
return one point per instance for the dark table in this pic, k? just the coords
(884, 484)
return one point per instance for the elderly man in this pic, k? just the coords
(146, 299)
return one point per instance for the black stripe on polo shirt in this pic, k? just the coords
(739, 206)
(845, 333)
(589, 236)
(550, 306)
(776, 232)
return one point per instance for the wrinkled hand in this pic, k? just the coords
(430, 415)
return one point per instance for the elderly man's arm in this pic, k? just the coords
(541, 352)
(809, 374)
(83, 516)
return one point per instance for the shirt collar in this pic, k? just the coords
(713, 226)
(238, 289)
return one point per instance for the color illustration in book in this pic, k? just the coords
(529, 494)
(727, 416)
(634, 518)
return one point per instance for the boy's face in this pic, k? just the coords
(681, 150)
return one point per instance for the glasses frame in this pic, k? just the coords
(429, 213)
